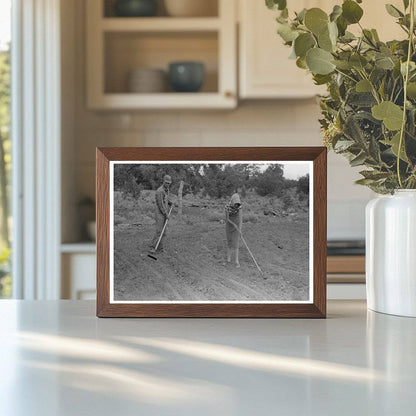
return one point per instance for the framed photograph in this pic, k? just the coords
(211, 232)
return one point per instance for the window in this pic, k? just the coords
(5, 145)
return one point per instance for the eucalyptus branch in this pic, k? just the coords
(373, 89)
(392, 90)
(405, 81)
(369, 41)
(346, 75)
(378, 122)
(398, 95)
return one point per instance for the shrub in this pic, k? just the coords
(287, 201)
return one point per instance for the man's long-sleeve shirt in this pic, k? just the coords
(162, 201)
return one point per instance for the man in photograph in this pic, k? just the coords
(162, 204)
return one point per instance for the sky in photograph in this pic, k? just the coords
(5, 19)
(295, 171)
(290, 170)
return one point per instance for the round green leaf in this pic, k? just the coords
(328, 40)
(301, 63)
(303, 43)
(324, 42)
(342, 64)
(321, 79)
(385, 63)
(316, 20)
(391, 114)
(336, 12)
(319, 61)
(393, 11)
(351, 11)
(363, 86)
(286, 32)
(411, 90)
(358, 61)
(394, 144)
(276, 4)
(342, 25)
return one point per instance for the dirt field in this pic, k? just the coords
(192, 266)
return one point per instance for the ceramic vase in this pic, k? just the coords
(186, 76)
(391, 253)
(135, 8)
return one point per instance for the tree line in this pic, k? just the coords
(215, 180)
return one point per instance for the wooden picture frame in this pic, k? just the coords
(316, 305)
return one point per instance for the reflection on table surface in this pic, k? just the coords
(57, 358)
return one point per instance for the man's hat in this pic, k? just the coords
(167, 178)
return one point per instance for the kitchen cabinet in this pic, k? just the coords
(78, 264)
(118, 45)
(265, 70)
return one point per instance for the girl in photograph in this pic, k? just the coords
(233, 225)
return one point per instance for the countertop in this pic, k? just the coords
(58, 359)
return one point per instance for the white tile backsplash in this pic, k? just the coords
(285, 123)
(346, 219)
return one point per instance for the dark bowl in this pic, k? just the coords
(186, 76)
(136, 8)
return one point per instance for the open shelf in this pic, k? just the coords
(127, 51)
(108, 9)
(116, 46)
(80, 247)
(160, 24)
(130, 101)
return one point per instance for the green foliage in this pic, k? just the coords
(369, 112)
(270, 182)
(4, 89)
(5, 281)
(215, 180)
(391, 114)
(5, 167)
(316, 20)
(276, 4)
(303, 185)
(319, 61)
(351, 12)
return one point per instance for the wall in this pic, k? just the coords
(265, 123)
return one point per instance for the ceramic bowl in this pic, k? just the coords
(191, 8)
(135, 8)
(186, 76)
(147, 80)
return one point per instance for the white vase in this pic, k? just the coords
(391, 253)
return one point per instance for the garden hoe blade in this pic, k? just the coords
(152, 256)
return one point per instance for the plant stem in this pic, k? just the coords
(345, 75)
(406, 80)
(373, 90)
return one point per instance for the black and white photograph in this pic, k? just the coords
(211, 232)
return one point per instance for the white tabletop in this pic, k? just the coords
(57, 359)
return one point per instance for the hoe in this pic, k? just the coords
(153, 254)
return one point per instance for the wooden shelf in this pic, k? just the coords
(81, 247)
(346, 269)
(346, 264)
(159, 24)
(163, 101)
(116, 46)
